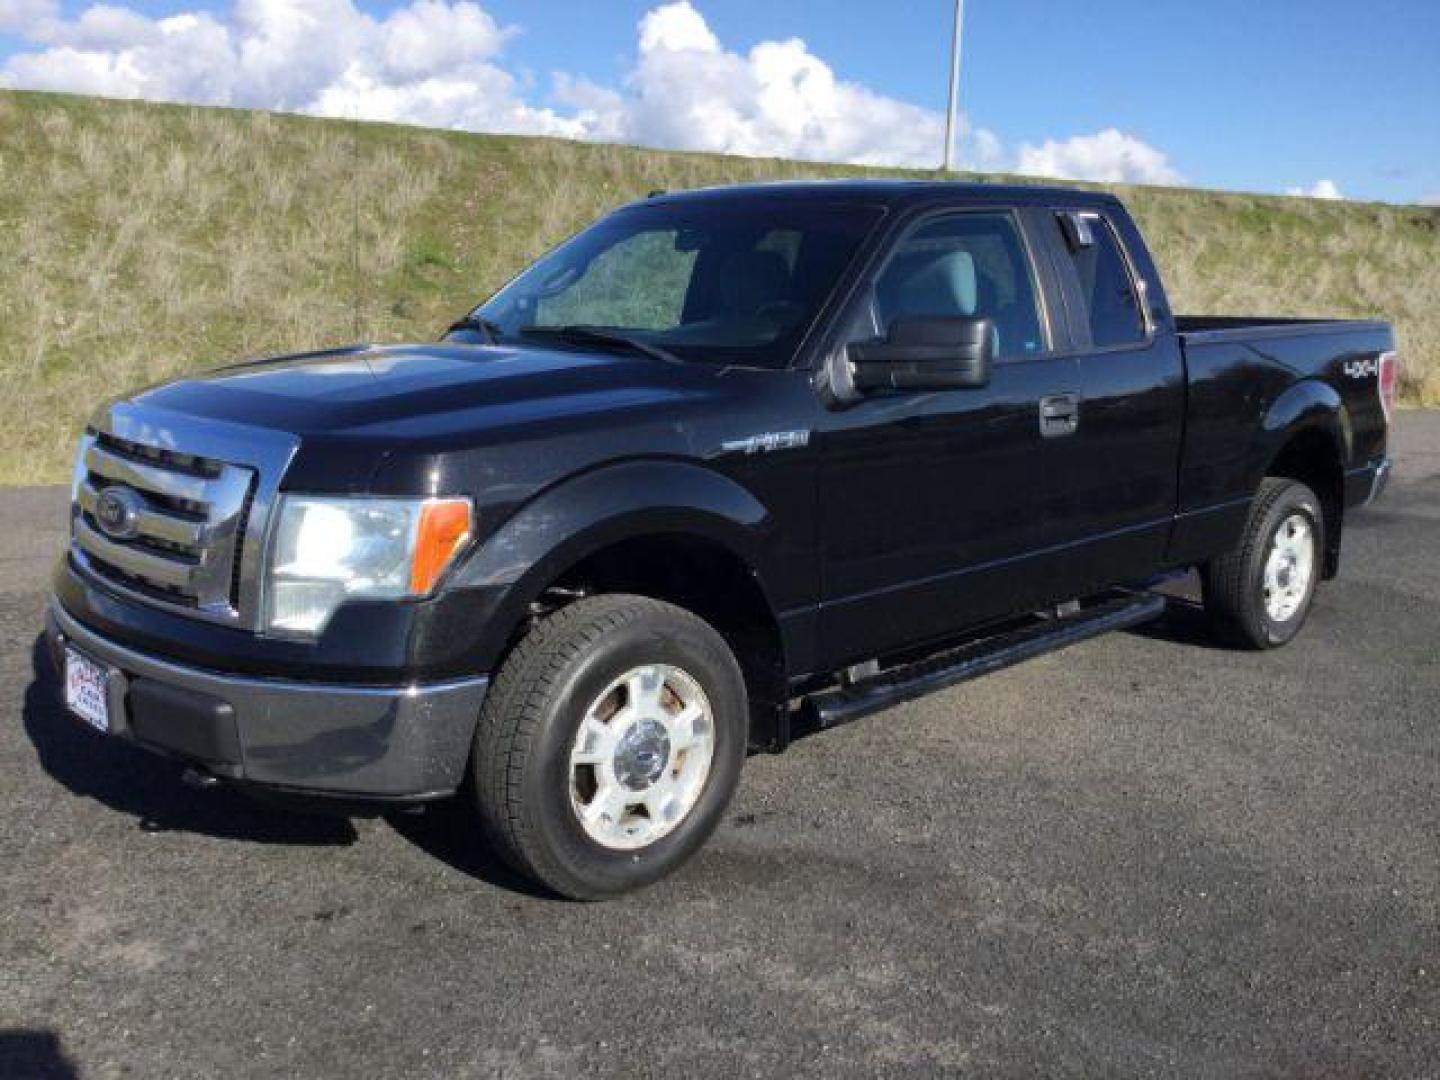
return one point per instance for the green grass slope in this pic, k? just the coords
(141, 241)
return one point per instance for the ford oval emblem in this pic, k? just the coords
(117, 512)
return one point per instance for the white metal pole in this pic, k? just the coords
(950, 113)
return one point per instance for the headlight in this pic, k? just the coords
(327, 551)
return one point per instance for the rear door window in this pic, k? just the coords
(1107, 288)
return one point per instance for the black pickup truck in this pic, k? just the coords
(727, 466)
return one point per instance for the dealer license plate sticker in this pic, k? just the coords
(85, 686)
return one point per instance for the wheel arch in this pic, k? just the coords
(707, 578)
(669, 530)
(1308, 437)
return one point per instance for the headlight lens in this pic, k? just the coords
(326, 551)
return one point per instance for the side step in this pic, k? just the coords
(1114, 611)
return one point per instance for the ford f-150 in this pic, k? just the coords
(726, 466)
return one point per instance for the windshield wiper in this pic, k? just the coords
(491, 330)
(598, 335)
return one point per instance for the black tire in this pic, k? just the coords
(528, 724)
(1234, 583)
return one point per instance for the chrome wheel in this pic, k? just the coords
(1289, 568)
(641, 757)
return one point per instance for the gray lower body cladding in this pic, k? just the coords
(387, 743)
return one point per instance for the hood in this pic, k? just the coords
(431, 393)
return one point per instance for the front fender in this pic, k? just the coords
(493, 590)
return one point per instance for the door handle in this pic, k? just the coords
(1059, 415)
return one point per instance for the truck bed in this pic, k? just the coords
(1250, 377)
(1216, 328)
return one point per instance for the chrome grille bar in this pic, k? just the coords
(172, 528)
(136, 561)
(157, 481)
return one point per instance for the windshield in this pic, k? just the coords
(737, 282)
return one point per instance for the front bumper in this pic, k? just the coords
(361, 742)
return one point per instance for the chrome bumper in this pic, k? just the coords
(327, 739)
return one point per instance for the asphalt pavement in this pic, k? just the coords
(1143, 856)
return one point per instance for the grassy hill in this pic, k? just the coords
(139, 241)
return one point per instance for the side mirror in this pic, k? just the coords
(926, 354)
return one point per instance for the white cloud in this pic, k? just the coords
(430, 34)
(676, 27)
(441, 63)
(599, 110)
(1108, 156)
(429, 62)
(104, 27)
(1430, 200)
(26, 15)
(1321, 189)
(687, 91)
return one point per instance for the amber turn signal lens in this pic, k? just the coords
(445, 526)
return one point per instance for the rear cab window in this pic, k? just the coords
(1112, 306)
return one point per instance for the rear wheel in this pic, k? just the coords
(610, 745)
(1258, 595)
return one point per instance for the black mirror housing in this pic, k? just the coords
(927, 354)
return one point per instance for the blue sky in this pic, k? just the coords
(1249, 94)
(1263, 96)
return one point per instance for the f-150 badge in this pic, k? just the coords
(765, 443)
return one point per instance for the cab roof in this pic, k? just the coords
(892, 193)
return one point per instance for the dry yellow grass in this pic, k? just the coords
(143, 241)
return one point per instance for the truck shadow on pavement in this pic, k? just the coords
(35, 1054)
(448, 831)
(148, 787)
(1184, 623)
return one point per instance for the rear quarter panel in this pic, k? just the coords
(1253, 389)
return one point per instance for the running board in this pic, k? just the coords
(831, 708)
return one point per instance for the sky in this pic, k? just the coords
(1323, 98)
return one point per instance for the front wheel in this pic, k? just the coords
(1258, 595)
(610, 744)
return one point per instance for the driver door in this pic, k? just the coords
(941, 509)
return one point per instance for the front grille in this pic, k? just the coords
(154, 455)
(179, 538)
